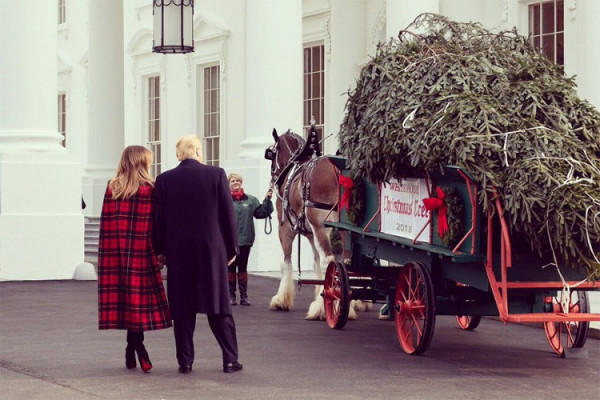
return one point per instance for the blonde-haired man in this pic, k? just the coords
(189, 146)
(195, 234)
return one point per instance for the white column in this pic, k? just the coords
(41, 225)
(28, 85)
(274, 66)
(274, 79)
(585, 15)
(344, 55)
(400, 13)
(105, 93)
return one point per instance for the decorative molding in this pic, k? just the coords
(504, 11)
(63, 30)
(327, 37)
(187, 59)
(223, 59)
(376, 29)
(137, 45)
(85, 64)
(206, 29)
(133, 70)
(163, 73)
(572, 7)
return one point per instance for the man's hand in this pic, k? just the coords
(269, 193)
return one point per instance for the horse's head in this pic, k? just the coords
(283, 151)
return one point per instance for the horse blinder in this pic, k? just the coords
(269, 154)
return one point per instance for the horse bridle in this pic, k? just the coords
(271, 153)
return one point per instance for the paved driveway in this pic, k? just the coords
(50, 348)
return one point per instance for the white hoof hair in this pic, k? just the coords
(316, 310)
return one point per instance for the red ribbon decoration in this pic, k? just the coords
(433, 203)
(348, 185)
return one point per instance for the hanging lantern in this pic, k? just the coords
(173, 26)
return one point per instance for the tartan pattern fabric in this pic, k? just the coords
(130, 289)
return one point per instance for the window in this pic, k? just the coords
(62, 117)
(62, 14)
(211, 114)
(154, 122)
(314, 88)
(546, 28)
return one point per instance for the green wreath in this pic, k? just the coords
(335, 238)
(356, 208)
(454, 215)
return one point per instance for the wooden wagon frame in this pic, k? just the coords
(482, 275)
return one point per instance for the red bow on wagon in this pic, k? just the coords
(433, 203)
(348, 185)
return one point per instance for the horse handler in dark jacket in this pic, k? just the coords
(195, 233)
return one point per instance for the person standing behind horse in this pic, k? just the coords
(247, 207)
(130, 291)
(195, 235)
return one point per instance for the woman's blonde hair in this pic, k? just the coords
(188, 146)
(236, 176)
(133, 171)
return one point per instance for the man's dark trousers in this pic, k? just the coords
(223, 328)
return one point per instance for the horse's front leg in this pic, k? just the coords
(316, 309)
(323, 256)
(284, 299)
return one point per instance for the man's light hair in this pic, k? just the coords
(188, 146)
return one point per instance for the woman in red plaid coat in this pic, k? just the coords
(130, 290)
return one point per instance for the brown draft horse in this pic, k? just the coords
(306, 185)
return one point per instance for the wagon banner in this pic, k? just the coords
(402, 210)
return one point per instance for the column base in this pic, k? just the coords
(41, 224)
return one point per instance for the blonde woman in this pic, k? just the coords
(131, 295)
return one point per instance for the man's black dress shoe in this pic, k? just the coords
(232, 367)
(185, 369)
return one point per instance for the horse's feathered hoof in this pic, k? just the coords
(278, 305)
(312, 318)
(316, 310)
(278, 308)
(360, 305)
(352, 314)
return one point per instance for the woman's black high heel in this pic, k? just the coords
(130, 357)
(143, 358)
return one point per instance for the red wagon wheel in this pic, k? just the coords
(571, 334)
(468, 322)
(414, 308)
(336, 295)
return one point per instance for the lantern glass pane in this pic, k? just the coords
(172, 26)
(188, 29)
(157, 25)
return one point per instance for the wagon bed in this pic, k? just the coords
(419, 277)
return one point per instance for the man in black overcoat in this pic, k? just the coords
(195, 234)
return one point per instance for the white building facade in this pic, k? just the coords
(257, 65)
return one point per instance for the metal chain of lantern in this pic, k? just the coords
(173, 26)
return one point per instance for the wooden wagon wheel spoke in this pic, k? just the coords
(565, 335)
(415, 308)
(336, 295)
